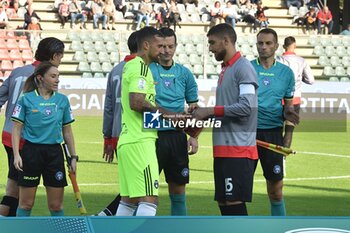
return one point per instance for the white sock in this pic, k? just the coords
(102, 214)
(146, 209)
(125, 209)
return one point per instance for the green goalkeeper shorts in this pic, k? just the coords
(138, 169)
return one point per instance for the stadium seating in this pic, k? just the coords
(79, 56)
(6, 65)
(92, 56)
(96, 67)
(110, 46)
(4, 55)
(84, 67)
(344, 79)
(103, 57)
(17, 63)
(340, 71)
(15, 54)
(27, 55)
(114, 57)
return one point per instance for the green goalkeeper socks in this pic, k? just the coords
(178, 204)
(278, 208)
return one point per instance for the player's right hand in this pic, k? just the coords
(18, 163)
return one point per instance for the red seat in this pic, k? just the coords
(27, 55)
(17, 63)
(6, 65)
(23, 44)
(15, 55)
(3, 34)
(10, 34)
(12, 44)
(7, 73)
(4, 55)
(3, 44)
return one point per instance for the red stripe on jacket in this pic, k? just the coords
(249, 152)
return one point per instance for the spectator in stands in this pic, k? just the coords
(3, 18)
(97, 14)
(260, 15)
(310, 19)
(248, 14)
(29, 15)
(325, 17)
(120, 5)
(161, 15)
(296, 3)
(144, 13)
(311, 3)
(230, 14)
(174, 14)
(346, 32)
(109, 11)
(35, 27)
(216, 13)
(76, 14)
(195, 2)
(63, 12)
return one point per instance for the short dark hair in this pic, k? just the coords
(268, 31)
(147, 34)
(288, 41)
(47, 48)
(223, 29)
(132, 42)
(168, 32)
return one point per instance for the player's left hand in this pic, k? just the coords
(192, 107)
(73, 165)
(291, 115)
(192, 146)
(108, 153)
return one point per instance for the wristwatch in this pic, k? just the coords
(76, 157)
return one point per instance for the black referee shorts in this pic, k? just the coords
(42, 159)
(172, 156)
(271, 162)
(12, 173)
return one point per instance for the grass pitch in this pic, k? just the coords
(317, 181)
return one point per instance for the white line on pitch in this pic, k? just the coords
(259, 181)
(298, 152)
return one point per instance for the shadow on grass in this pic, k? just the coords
(304, 203)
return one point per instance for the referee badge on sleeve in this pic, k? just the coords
(16, 110)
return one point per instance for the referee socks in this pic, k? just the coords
(57, 213)
(278, 208)
(23, 213)
(178, 204)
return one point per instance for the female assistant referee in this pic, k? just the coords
(44, 116)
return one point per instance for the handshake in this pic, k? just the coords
(193, 112)
(190, 121)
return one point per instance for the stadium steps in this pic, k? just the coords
(278, 14)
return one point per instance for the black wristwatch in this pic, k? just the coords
(76, 157)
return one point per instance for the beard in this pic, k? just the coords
(219, 56)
